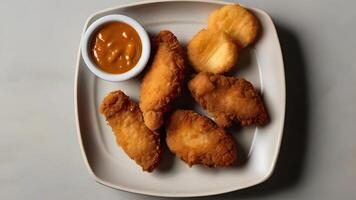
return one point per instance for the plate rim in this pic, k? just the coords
(162, 194)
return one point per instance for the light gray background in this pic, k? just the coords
(39, 152)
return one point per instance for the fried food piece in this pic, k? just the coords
(126, 121)
(197, 140)
(228, 99)
(163, 82)
(237, 22)
(212, 51)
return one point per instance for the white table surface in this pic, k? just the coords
(39, 152)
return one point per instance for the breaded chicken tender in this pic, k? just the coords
(163, 82)
(228, 99)
(212, 51)
(126, 121)
(197, 140)
(237, 22)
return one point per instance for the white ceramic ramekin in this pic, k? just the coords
(146, 48)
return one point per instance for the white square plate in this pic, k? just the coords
(261, 64)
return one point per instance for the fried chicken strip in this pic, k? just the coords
(126, 121)
(228, 99)
(197, 140)
(163, 82)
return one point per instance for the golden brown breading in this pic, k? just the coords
(237, 22)
(212, 51)
(163, 82)
(126, 121)
(228, 99)
(197, 140)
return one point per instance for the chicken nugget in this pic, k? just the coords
(163, 81)
(212, 51)
(228, 99)
(125, 118)
(237, 22)
(197, 140)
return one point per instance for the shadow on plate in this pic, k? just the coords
(167, 160)
(243, 62)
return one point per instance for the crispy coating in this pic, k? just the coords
(197, 140)
(163, 82)
(237, 22)
(212, 51)
(126, 121)
(228, 99)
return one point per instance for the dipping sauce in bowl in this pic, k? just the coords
(116, 47)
